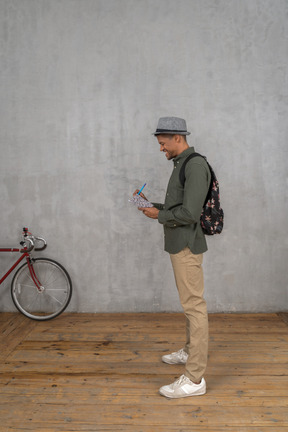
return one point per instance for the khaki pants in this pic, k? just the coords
(188, 274)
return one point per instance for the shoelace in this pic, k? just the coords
(183, 379)
(179, 354)
(182, 354)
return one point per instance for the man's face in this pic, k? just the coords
(169, 145)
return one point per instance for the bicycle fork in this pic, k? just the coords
(36, 281)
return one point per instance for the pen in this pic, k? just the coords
(141, 189)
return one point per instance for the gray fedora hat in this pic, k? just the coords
(171, 125)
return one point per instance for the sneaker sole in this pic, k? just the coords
(168, 395)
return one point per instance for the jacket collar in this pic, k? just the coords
(184, 154)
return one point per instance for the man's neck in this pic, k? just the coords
(182, 149)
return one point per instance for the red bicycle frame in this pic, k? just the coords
(26, 255)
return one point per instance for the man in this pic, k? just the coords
(186, 243)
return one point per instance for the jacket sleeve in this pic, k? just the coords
(195, 190)
(158, 206)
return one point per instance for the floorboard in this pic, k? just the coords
(102, 372)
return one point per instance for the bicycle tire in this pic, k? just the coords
(52, 300)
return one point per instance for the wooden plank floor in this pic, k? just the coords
(102, 372)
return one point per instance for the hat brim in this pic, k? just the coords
(169, 132)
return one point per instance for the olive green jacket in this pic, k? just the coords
(180, 214)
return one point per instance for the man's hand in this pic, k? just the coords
(150, 212)
(141, 194)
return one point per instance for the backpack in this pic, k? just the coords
(212, 216)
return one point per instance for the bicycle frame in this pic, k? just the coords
(26, 255)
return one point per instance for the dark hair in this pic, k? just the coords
(166, 135)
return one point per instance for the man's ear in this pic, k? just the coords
(177, 138)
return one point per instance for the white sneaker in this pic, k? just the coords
(179, 357)
(183, 387)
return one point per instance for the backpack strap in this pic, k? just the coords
(182, 173)
(182, 170)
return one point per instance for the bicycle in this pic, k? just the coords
(41, 288)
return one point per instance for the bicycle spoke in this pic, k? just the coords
(33, 302)
(64, 290)
(28, 286)
(45, 278)
(54, 298)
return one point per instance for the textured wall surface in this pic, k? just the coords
(83, 83)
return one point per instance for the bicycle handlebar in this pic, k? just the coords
(44, 243)
(29, 248)
(28, 237)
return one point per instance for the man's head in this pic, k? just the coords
(172, 145)
(171, 134)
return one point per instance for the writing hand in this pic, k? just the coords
(141, 194)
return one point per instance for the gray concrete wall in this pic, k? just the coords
(83, 83)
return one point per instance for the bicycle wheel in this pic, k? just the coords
(55, 293)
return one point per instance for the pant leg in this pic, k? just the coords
(188, 274)
(187, 344)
